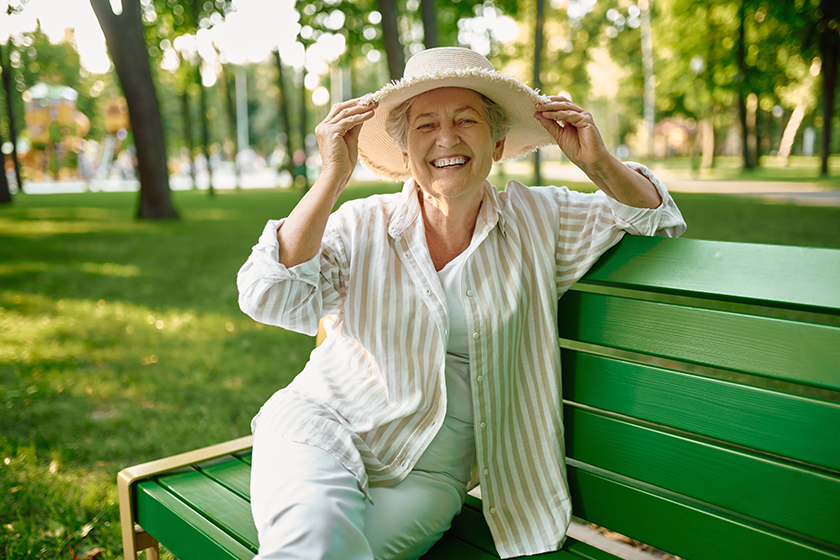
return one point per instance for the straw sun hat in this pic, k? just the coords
(450, 67)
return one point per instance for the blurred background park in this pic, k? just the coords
(145, 143)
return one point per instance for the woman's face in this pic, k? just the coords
(450, 144)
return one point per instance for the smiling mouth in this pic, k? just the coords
(450, 162)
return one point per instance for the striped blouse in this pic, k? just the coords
(373, 394)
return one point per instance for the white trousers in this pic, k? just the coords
(306, 505)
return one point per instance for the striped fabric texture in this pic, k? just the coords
(373, 394)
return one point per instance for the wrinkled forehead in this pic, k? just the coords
(445, 98)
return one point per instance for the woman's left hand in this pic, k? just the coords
(574, 131)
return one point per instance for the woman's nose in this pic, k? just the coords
(447, 136)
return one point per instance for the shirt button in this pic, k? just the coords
(476, 335)
(428, 291)
(469, 293)
(483, 425)
(480, 378)
(486, 471)
(492, 511)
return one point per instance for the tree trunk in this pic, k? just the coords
(427, 9)
(830, 50)
(202, 101)
(742, 87)
(5, 193)
(708, 161)
(789, 134)
(124, 36)
(186, 116)
(752, 133)
(285, 126)
(188, 132)
(650, 80)
(7, 85)
(205, 126)
(707, 129)
(232, 128)
(538, 48)
(391, 38)
(303, 95)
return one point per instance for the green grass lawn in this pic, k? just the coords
(122, 342)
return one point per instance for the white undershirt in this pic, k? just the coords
(458, 392)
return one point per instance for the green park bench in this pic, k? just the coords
(701, 387)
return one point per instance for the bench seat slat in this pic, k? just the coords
(184, 531)
(684, 530)
(776, 348)
(245, 456)
(470, 526)
(797, 498)
(230, 472)
(584, 551)
(772, 274)
(450, 547)
(223, 507)
(798, 427)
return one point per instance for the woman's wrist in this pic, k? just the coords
(623, 183)
(605, 172)
(331, 182)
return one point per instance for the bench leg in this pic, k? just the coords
(137, 541)
(145, 541)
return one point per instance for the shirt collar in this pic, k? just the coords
(408, 210)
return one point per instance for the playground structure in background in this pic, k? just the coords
(57, 149)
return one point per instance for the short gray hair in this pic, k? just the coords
(397, 122)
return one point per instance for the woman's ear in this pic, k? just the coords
(498, 150)
(405, 160)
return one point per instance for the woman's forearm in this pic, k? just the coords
(300, 235)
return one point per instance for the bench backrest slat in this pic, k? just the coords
(777, 348)
(763, 419)
(687, 529)
(702, 402)
(803, 500)
(766, 274)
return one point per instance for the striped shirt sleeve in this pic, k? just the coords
(294, 298)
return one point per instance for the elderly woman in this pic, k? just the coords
(441, 367)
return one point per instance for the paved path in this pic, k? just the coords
(792, 192)
(802, 193)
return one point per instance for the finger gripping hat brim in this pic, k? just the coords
(450, 67)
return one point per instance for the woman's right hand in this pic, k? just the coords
(338, 139)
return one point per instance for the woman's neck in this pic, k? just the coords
(449, 226)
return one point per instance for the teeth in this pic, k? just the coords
(449, 162)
